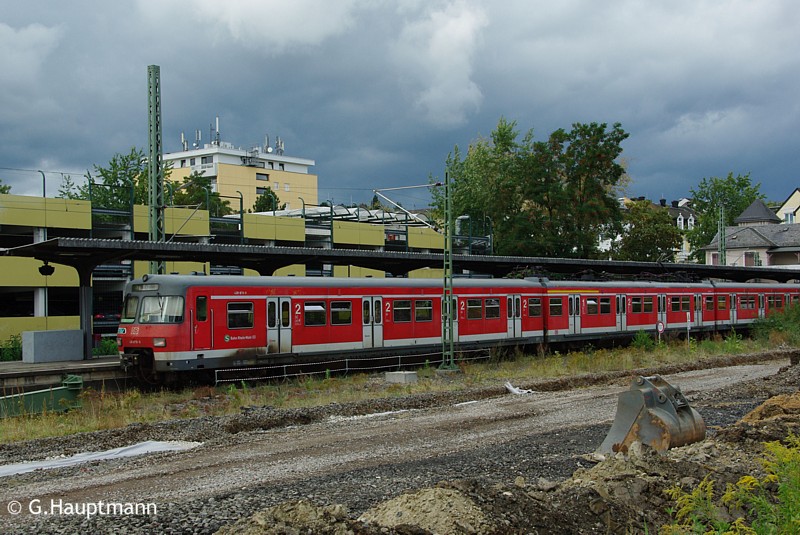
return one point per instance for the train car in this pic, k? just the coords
(181, 323)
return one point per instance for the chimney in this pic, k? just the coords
(675, 204)
(663, 201)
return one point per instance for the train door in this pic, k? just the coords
(201, 324)
(761, 306)
(698, 310)
(734, 309)
(372, 321)
(574, 311)
(622, 309)
(662, 309)
(279, 325)
(514, 314)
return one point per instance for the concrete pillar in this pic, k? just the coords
(40, 294)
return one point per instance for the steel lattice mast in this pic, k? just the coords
(448, 357)
(155, 169)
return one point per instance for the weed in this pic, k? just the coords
(733, 342)
(768, 505)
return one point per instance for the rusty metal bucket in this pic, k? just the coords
(654, 413)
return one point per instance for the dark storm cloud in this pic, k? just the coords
(378, 93)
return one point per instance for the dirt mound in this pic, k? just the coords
(300, 516)
(436, 510)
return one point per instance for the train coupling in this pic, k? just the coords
(128, 360)
(654, 413)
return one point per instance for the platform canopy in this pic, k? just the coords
(86, 254)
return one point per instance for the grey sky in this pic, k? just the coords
(379, 92)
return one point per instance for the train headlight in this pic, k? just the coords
(119, 341)
(159, 342)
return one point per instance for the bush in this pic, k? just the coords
(782, 326)
(11, 349)
(643, 342)
(107, 346)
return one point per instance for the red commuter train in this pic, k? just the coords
(180, 323)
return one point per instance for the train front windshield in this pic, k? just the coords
(153, 309)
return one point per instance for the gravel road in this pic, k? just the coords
(335, 456)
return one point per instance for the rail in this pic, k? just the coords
(345, 365)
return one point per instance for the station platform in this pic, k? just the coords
(17, 375)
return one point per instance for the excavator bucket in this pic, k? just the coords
(654, 413)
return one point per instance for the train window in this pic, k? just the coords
(492, 308)
(775, 301)
(556, 306)
(747, 302)
(647, 305)
(365, 309)
(286, 313)
(722, 302)
(636, 304)
(314, 313)
(605, 305)
(240, 315)
(201, 306)
(129, 309)
(591, 306)
(272, 315)
(534, 307)
(709, 302)
(423, 310)
(402, 311)
(341, 313)
(474, 311)
(161, 309)
(378, 316)
(681, 303)
(795, 299)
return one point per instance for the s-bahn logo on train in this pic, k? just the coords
(229, 338)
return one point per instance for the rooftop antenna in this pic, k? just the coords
(216, 139)
(197, 137)
(184, 143)
(267, 148)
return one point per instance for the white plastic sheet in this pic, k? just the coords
(151, 446)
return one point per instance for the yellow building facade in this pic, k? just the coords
(251, 172)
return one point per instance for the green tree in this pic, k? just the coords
(548, 198)
(195, 190)
(4, 188)
(733, 193)
(113, 187)
(649, 234)
(68, 189)
(268, 201)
